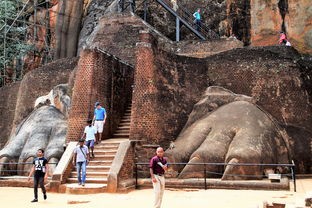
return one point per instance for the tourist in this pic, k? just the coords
(158, 165)
(286, 43)
(282, 38)
(174, 5)
(81, 159)
(89, 134)
(99, 119)
(40, 167)
(197, 19)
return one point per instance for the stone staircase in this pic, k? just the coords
(99, 166)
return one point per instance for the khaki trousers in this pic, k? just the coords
(159, 188)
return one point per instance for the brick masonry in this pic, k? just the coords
(22, 96)
(99, 77)
(167, 86)
(7, 110)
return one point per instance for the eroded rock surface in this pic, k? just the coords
(228, 128)
(44, 128)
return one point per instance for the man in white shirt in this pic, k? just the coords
(89, 134)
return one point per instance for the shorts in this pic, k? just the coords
(90, 143)
(99, 126)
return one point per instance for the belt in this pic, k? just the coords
(158, 174)
(99, 119)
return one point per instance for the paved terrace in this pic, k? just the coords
(173, 198)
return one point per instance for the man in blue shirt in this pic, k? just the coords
(99, 119)
(197, 19)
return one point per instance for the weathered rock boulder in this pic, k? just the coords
(44, 128)
(293, 17)
(226, 128)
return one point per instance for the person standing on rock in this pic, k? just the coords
(89, 134)
(283, 38)
(41, 169)
(197, 19)
(99, 119)
(80, 160)
(158, 165)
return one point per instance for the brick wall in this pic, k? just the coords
(127, 169)
(21, 97)
(104, 78)
(8, 99)
(167, 86)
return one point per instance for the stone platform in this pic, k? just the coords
(284, 184)
(92, 188)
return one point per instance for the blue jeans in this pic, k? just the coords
(81, 171)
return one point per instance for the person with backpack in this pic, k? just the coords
(41, 169)
(80, 160)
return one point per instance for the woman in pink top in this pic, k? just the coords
(282, 37)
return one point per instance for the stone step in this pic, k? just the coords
(113, 141)
(100, 151)
(125, 120)
(104, 149)
(124, 127)
(95, 162)
(91, 174)
(122, 131)
(106, 146)
(104, 153)
(102, 180)
(121, 135)
(89, 188)
(104, 157)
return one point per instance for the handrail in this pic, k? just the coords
(186, 23)
(291, 166)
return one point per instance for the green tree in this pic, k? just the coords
(13, 46)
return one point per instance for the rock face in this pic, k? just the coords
(277, 78)
(291, 16)
(298, 23)
(44, 128)
(226, 128)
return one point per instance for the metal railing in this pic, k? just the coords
(10, 164)
(185, 17)
(292, 173)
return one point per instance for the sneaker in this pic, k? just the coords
(34, 200)
(45, 196)
(83, 184)
(79, 183)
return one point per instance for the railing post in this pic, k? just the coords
(145, 11)
(177, 29)
(205, 176)
(136, 176)
(293, 173)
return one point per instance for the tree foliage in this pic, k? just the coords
(13, 45)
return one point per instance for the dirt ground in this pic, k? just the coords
(213, 198)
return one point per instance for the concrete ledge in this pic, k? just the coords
(87, 189)
(219, 184)
(59, 174)
(126, 186)
(112, 179)
(19, 181)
